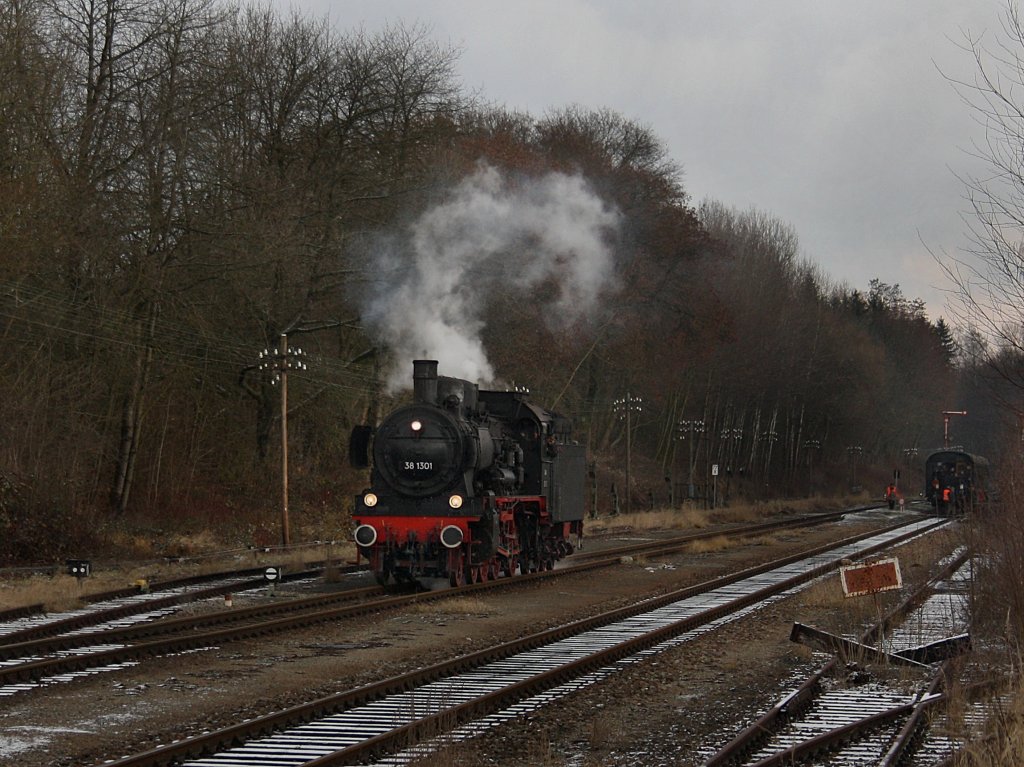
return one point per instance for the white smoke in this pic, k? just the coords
(489, 235)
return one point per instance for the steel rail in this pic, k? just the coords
(79, 621)
(95, 617)
(38, 668)
(915, 711)
(971, 692)
(184, 623)
(828, 741)
(905, 738)
(794, 704)
(144, 603)
(653, 548)
(448, 719)
(429, 725)
(25, 611)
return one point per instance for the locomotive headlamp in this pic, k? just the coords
(370, 500)
(416, 426)
(455, 501)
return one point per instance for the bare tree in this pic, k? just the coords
(989, 275)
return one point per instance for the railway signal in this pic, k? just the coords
(272, 575)
(80, 568)
(946, 415)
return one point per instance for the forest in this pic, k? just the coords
(185, 184)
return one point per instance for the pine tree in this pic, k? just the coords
(950, 347)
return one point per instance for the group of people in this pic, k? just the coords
(946, 495)
(949, 494)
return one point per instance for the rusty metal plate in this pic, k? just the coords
(872, 577)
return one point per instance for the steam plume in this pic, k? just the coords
(488, 235)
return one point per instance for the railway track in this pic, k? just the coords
(849, 722)
(61, 650)
(132, 604)
(38, 662)
(460, 696)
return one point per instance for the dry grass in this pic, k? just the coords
(605, 731)
(743, 515)
(707, 545)
(1002, 742)
(659, 519)
(997, 611)
(802, 653)
(63, 592)
(827, 592)
(692, 518)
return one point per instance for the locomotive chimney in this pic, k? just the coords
(424, 381)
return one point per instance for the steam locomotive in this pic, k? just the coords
(467, 485)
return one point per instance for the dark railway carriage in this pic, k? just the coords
(468, 484)
(957, 482)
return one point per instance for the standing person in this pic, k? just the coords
(890, 495)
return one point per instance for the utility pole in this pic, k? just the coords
(625, 408)
(278, 362)
(809, 445)
(854, 452)
(732, 437)
(692, 429)
(909, 454)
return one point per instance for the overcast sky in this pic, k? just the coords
(836, 117)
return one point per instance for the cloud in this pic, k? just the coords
(833, 117)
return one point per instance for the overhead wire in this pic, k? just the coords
(39, 308)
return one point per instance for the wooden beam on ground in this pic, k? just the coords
(936, 652)
(847, 648)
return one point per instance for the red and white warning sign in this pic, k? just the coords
(871, 577)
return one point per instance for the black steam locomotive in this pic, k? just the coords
(468, 484)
